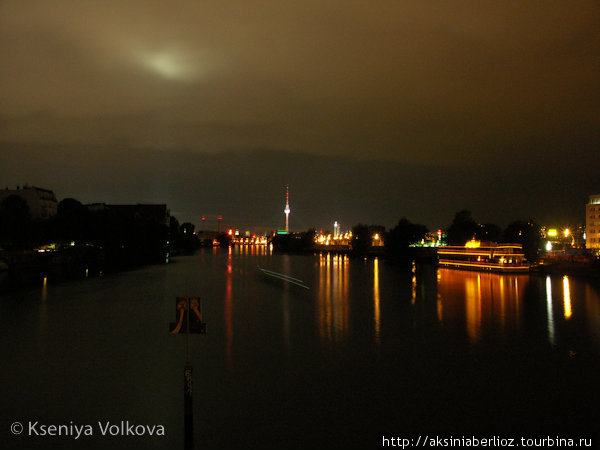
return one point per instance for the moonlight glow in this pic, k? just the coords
(168, 65)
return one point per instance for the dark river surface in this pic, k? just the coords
(368, 349)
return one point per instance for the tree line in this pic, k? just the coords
(463, 228)
(124, 238)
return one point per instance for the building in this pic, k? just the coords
(592, 223)
(41, 202)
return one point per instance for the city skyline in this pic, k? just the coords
(218, 222)
(370, 113)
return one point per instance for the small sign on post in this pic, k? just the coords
(188, 319)
(188, 316)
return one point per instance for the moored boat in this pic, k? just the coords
(492, 257)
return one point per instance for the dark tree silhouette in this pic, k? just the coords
(463, 228)
(187, 228)
(526, 233)
(308, 238)
(362, 239)
(188, 242)
(72, 220)
(15, 222)
(403, 235)
(488, 232)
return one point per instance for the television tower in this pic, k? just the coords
(287, 209)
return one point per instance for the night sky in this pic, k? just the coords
(370, 111)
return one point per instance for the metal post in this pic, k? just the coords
(188, 408)
(187, 333)
(188, 389)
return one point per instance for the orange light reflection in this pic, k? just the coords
(567, 297)
(376, 311)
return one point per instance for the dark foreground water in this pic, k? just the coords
(368, 349)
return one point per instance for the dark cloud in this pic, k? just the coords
(443, 87)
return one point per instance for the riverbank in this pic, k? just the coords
(36, 267)
(570, 269)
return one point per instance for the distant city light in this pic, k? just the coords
(552, 232)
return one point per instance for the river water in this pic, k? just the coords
(368, 349)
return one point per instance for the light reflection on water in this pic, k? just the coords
(487, 303)
(488, 307)
(592, 307)
(491, 306)
(567, 297)
(229, 310)
(549, 310)
(376, 309)
(366, 333)
(332, 300)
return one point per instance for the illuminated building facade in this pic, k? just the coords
(592, 222)
(41, 202)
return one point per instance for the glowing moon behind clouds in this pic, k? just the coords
(170, 64)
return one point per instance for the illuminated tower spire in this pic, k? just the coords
(287, 209)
